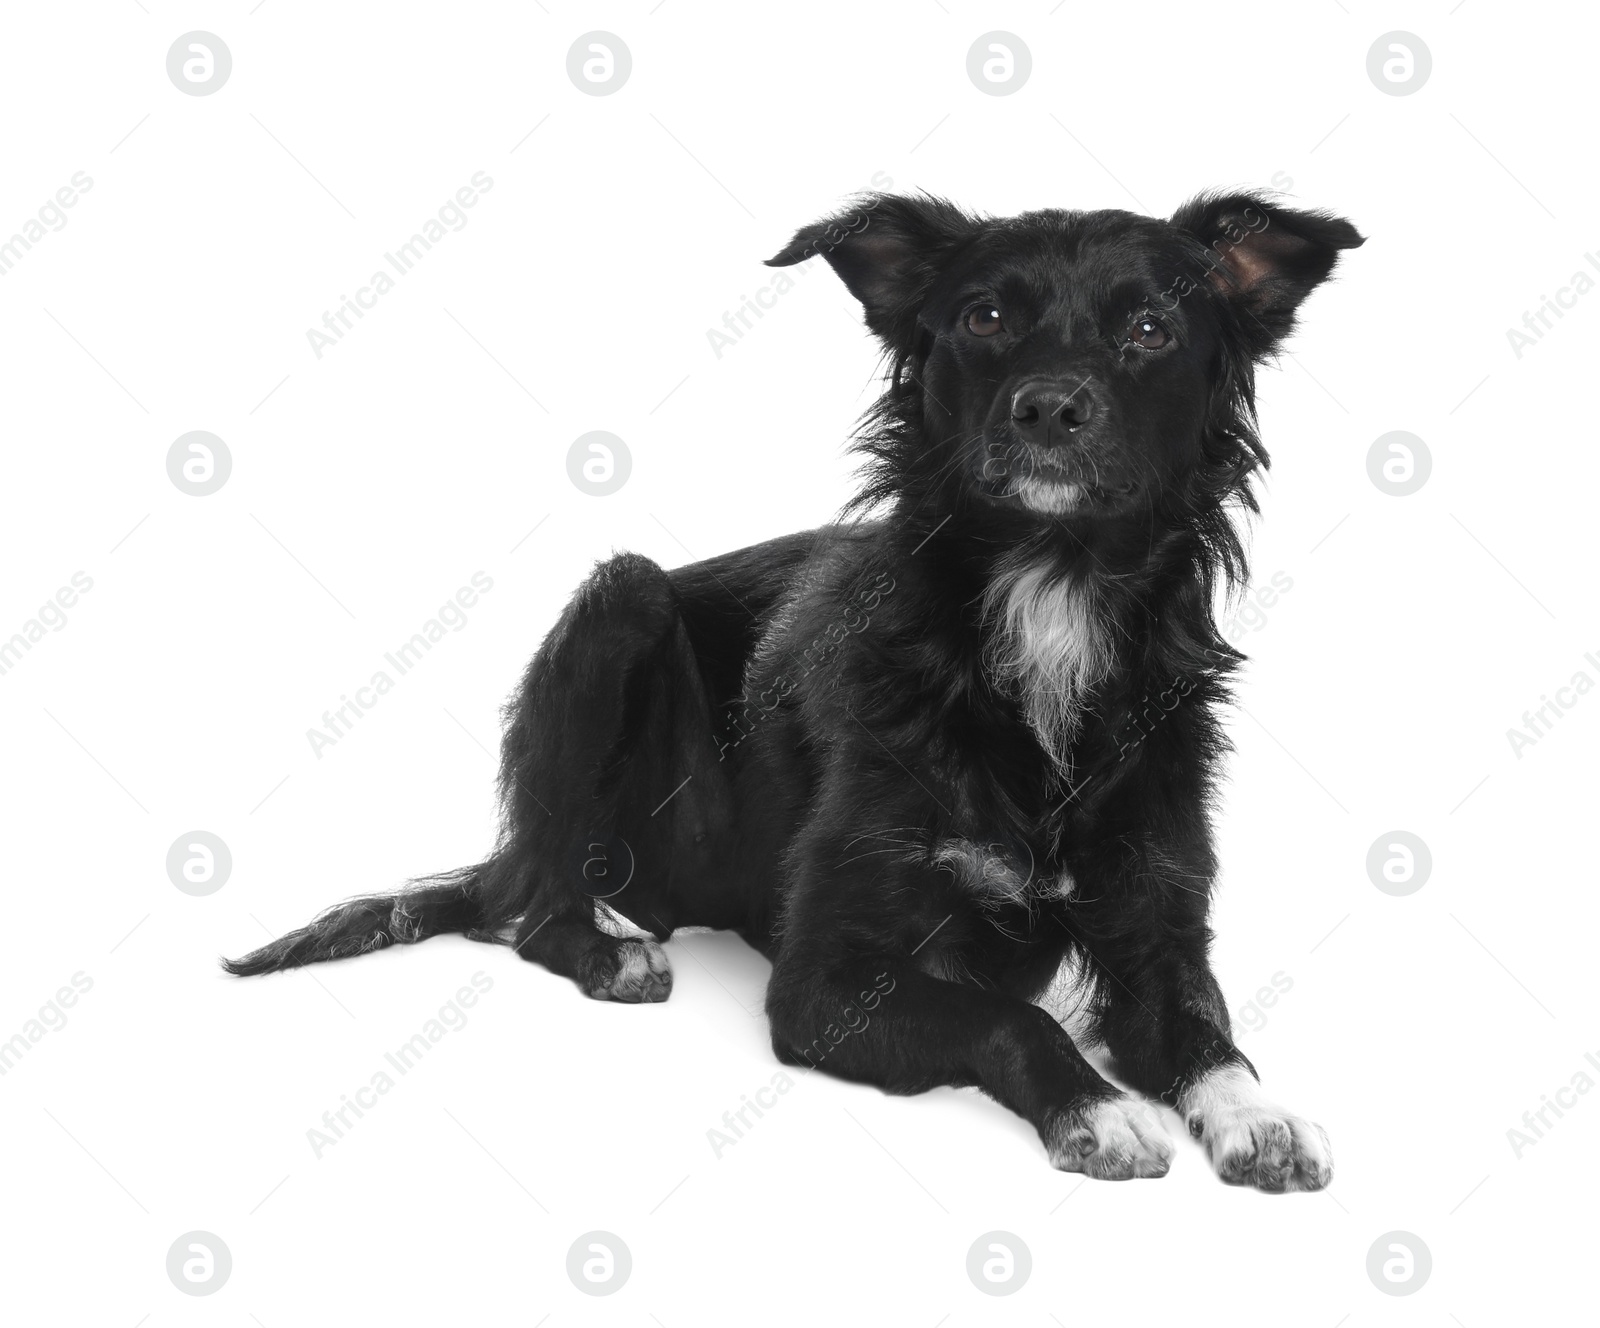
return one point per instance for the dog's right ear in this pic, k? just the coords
(1266, 258)
(887, 249)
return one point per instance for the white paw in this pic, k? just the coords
(643, 974)
(1250, 1141)
(1116, 1138)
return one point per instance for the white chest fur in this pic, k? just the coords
(1050, 643)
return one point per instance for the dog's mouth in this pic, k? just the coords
(1053, 480)
(1054, 495)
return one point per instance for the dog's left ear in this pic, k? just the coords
(887, 250)
(1266, 259)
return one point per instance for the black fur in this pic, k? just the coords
(831, 744)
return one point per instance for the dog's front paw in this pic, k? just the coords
(1252, 1142)
(1117, 1138)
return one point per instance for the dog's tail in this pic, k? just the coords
(448, 902)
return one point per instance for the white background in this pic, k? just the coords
(369, 484)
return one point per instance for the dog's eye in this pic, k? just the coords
(1148, 333)
(984, 321)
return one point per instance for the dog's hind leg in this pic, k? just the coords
(607, 968)
(611, 787)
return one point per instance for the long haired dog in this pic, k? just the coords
(923, 757)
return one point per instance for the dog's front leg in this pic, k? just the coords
(880, 1020)
(1165, 1022)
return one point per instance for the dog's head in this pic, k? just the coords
(1072, 365)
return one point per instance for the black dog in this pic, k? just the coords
(922, 760)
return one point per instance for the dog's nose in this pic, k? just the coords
(1048, 412)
